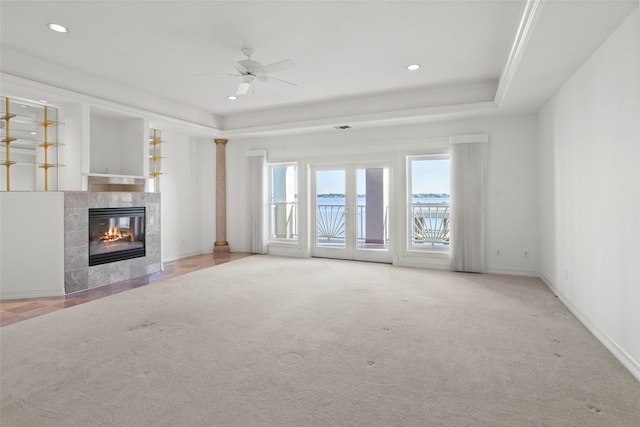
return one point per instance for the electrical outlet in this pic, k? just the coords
(498, 252)
(526, 254)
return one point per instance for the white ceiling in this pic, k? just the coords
(351, 56)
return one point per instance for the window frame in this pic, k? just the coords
(410, 247)
(272, 237)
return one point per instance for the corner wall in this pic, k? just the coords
(589, 180)
(188, 191)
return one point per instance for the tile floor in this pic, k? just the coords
(16, 310)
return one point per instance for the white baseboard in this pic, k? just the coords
(33, 293)
(618, 352)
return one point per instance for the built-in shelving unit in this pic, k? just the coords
(29, 138)
(45, 145)
(7, 140)
(155, 158)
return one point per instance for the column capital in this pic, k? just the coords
(221, 141)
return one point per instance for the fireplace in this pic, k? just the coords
(116, 234)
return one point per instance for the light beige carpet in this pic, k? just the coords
(268, 341)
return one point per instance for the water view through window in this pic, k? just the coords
(352, 208)
(429, 207)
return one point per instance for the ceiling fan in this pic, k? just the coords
(250, 71)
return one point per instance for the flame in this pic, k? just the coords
(114, 235)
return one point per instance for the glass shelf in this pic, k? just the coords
(155, 158)
(28, 140)
(30, 143)
(27, 120)
(23, 163)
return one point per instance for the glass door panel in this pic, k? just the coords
(331, 209)
(352, 213)
(372, 208)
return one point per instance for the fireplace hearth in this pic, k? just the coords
(116, 234)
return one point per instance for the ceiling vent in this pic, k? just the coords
(343, 127)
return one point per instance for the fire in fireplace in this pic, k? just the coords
(116, 234)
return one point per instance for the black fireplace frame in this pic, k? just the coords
(105, 258)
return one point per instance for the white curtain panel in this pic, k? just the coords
(257, 202)
(468, 175)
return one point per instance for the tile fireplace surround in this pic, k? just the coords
(78, 275)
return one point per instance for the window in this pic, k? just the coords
(428, 202)
(283, 200)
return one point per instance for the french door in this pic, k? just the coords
(350, 212)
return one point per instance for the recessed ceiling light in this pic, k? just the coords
(231, 97)
(58, 28)
(44, 101)
(24, 106)
(413, 67)
(33, 133)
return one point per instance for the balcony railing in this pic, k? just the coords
(430, 224)
(330, 222)
(284, 220)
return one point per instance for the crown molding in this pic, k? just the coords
(528, 21)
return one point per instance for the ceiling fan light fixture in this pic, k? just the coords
(413, 67)
(58, 28)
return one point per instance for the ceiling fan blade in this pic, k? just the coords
(209, 75)
(279, 66)
(243, 88)
(278, 82)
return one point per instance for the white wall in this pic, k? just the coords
(135, 150)
(32, 264)
(182, 186)
(118, 146)
(590, 194)
(106, 146)
(512, 201)
(206, 155)
(72, 153)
